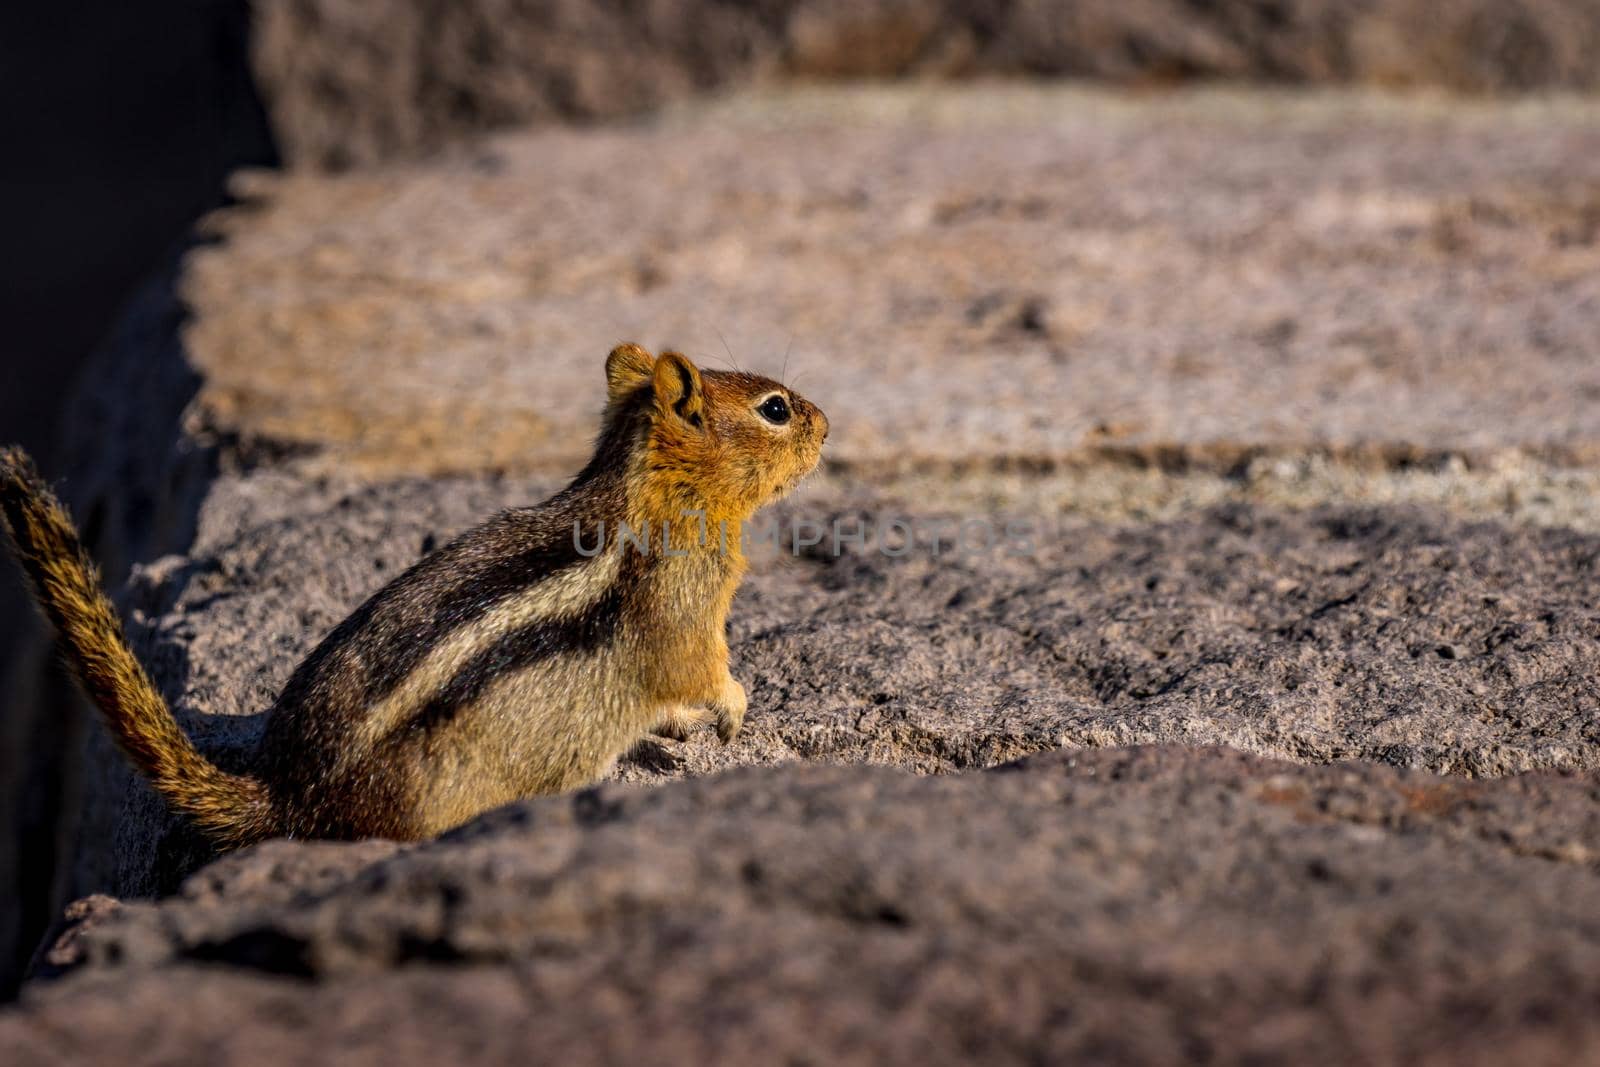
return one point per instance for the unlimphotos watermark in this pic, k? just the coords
(889, 535)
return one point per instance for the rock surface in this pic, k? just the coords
(1390, 635)
(1121, 905)
(1297, 399)
(1033, 275)
(354, 83)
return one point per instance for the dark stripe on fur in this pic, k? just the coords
(366, 657)
(619, 438)
(515, 651)
(387, 637)
(398, 626)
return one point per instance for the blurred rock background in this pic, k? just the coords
(350, 84)
(124, 121)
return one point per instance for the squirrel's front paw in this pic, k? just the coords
(730, 709)
(677, 721)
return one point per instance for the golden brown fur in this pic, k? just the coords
(512, 661)
(64, 580)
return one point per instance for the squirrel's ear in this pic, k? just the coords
(679, 394)
(627, 367)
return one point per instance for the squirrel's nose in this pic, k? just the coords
(824, 419)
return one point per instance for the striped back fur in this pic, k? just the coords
(523, 657)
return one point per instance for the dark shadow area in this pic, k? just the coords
(120, 123)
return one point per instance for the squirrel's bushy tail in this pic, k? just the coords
(233, 810)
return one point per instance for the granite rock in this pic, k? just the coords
(1148, 905)
(960, 278)
(1295, 394)
(1387, 634)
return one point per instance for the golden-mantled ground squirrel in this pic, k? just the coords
(522, 658)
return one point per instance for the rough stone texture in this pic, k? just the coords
(1039, 276)
(1123, 905)
(1306, 392)
(352, 83)
(1390, 635)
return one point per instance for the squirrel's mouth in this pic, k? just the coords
(810, 469)
(791, 483)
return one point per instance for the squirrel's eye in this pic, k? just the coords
(775, 409)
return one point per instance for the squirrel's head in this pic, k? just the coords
(724, 441)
